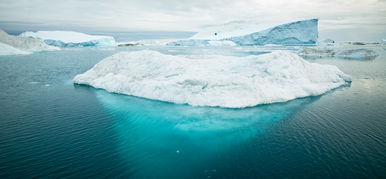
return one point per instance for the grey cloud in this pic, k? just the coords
(189, 15)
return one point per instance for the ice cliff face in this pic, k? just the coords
(70, 39)
(21, 45)
(296, 33)
(202, 80)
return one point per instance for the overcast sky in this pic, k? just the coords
(339, 19)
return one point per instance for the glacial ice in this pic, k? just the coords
(190, 42)
(327, 42)
(202, 43)
(22, 45)
(213, 80)
(6, 49)
(296, 33)
(70, 38)
(221, 43)
(146, 42)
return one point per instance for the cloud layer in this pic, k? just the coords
(338, 18)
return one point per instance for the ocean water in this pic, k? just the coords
(51, 128)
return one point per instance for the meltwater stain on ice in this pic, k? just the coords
(164, 139)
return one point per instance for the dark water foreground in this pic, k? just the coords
(50, 128)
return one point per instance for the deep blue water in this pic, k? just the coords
(50, 128)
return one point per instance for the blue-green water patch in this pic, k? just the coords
(169, 140)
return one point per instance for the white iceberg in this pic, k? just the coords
(359, 53)
(190, 42)
(145, 42)
(221, 43)
(213, 80)
(70, 38)
(6, 49)
(327, 42)
(317, 52)
(22, 44)
(296, 33)
(202, 43)
(340, 52)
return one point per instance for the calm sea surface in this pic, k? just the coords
(50, 128)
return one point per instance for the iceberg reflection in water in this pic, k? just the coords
(174, 141)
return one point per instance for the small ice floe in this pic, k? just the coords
(340, 52)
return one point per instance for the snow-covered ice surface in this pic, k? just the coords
(70, 38)
(327, 42)
(295, 33)
(213, 80)
(6, 49)
(198, 42)
(147, 42)
(22, 44)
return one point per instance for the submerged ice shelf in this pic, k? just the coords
(213, 80)
(70, 39)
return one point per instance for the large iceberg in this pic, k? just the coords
(213, 80)
(70, 38)
(296, 33)
(21, 45)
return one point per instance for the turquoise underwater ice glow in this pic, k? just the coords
(158, 136)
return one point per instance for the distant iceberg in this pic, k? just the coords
(327, 42)
(70, 39)
(339, 52)
(357, 53)
(296, 33)
(198, 42)
(13, 45)
(6, 49)
(213, 80)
